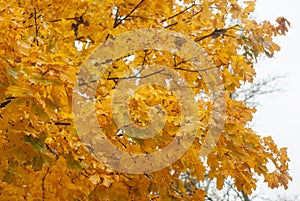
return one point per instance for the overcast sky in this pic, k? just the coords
(279, 115)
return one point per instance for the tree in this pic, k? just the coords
(43, 47)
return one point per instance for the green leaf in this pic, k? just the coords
(38, 162)
(36, 143)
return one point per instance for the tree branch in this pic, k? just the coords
(128, 15)
(245, 196)
(4, 103)
(216, 33)
(43, 183)
(175, 15)
(62, 124)
(36, 27)
(184, 20)
(194, 71)
(135, 76)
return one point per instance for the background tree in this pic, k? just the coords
(44, 43)
(250, 92)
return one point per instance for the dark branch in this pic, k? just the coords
(194, 71)
(135, 76)
(175, 15)
(36, 27)
(6, 102)
(70, 18)
(128, 15)
(169, 25)
(58, 20)
(184, 20)
(245, 196)
(43, 183)
(216, 33)
(62, 124)
(116, 18)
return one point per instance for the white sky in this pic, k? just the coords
(278, 115)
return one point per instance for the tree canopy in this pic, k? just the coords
(43, 45)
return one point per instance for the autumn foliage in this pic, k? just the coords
(43, 44)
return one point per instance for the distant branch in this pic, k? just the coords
(231, 187)
(259, 87)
